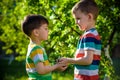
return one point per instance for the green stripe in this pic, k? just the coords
(45, 56)
(39, 76)
(29, 60)
(90, 45)
(89, 67)
(36, 47)
(44, 52)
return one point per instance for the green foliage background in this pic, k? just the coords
(63, 33)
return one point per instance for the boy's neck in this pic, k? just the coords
(34, 41)
(90, 26)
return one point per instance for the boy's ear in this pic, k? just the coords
(35, 32)
(90, 16)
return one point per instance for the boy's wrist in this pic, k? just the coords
(70, 60)
(55, 66)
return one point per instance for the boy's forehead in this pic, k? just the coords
(45, 25)
(77, 14)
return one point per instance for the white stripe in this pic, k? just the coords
(89, 48)
(29, 50)
(92, 32)
(38, 57)
(86, 72)
(79, 51)
(31, 70)
(97, 52)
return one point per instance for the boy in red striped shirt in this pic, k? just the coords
(87, 55)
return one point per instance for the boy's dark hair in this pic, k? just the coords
(87, 6)
(32, 22)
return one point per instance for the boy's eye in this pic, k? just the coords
(46, 28)
(78, 18)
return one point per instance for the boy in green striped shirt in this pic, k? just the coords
(37, 64)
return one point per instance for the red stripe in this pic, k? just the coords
(91, 35)
(79, 55)
(84, 77)
(96, 57)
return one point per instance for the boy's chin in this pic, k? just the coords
(45, 39)
(82, 29)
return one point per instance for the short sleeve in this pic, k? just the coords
(37, 55)
(89, 43)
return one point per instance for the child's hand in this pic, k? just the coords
(63, 60)
(64, 65)
(62, 68)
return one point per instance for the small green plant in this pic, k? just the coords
(106, 69)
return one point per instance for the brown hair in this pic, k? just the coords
(32, 22)
(86, 6)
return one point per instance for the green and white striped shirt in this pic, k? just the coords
(34, 55)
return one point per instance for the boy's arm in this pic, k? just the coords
(42, 69)
(86, 60)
